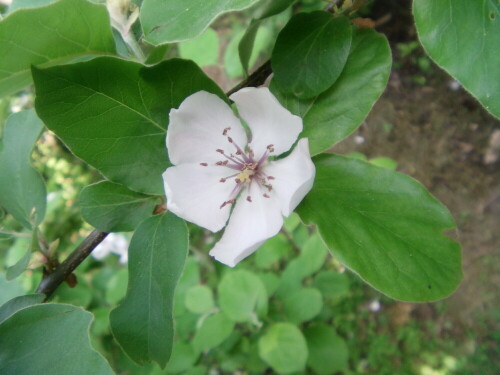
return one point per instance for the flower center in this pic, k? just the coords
(247, 170)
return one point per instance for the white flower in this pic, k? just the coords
(215, 167)
(114, 243)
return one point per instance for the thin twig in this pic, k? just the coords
(51, 281)
(255, 79)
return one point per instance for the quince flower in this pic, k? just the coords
(216, 167)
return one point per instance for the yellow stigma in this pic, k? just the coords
(244, 176)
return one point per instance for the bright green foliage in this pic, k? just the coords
(310, 53)
(114, 208)
(273, 7)
(302, 305)
(143, 324)
(18, 303)
(337, 112)
(272, 251)
(242, 296)
(463, 37)
(212, 332)
(183, 358)
(21, 4)
(22, 190)
(60, 32)
(245, 47)
(386, 227)
(165, 21)
(332, 284)
(199, 299)
(49, 339)
(284, 348)
(203, 50)
(116, 288)
(113, 113)
(328, 352)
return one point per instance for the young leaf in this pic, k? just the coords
(15, 304)
(273, 7)
(212, 332)
(143, 324)
(113, 113)
(384, 226)
(25, 338)
(310, 53)
(337, 112)
(54, 34)
(111, 207)
(245, 46)
(284, 348)
(463, 38)
(302, 305)
(203, 50)
(199, 299)
(22, 190)
(328, 353)
(164, 21)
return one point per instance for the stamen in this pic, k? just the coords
(269, 187)
(266, 196)
(270, 178)
(222, 180)
(226, 130)
(204, 164)
(249, 199)
(270, 148)
(220, 151)
(224, 163)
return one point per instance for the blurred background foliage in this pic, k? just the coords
(245, 320)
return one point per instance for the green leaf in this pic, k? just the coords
(18, 268)
(310, 53)
(10, 289)
(332, 284)
(143, 324)
(284, 348)
(462, 37)
(183, 358)
(21, 4)
(328, 353)
(199, 299)
(113, 113)
(50, 35)
(303, 305)
(111, 207)
(273, 7)
(116, 288)
(34, 338)
(245, 46)
(337, 112)
(22, 190)
(384, 162)
(272, 251)
(203, 50)
(213, 331)
(384, 226)
(164, 21)
(242, 296)
(19, 303)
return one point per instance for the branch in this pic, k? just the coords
(51, 281)
(255, 79)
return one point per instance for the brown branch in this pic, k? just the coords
(51, 281)
(255, 79)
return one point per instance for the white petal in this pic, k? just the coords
(251, 223)
(293, 176)
(195, 194)
(268, 120)
(195, 129)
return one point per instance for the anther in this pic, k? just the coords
(225, 131)
(270, 177)
(219, 151)
(249, 199)
(266, 196)
(270, 148)
(222, 163)
(230, 139)
(222, 180)
(269, 187)
(237, 180)
(204, 164)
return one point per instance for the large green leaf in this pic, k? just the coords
(49, 339)
(284, 348)
(111, 207)
(22, 190)
(463, 37)
(15, 304)
(384, 226)
(143, 324)
(167, 21)
(113, 113)
(337, 112)
(310, 53)
(50, 35)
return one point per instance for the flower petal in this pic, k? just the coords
(293, 176)
(268, 120)
(196, 129)
(251, 223)
(195, 194)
